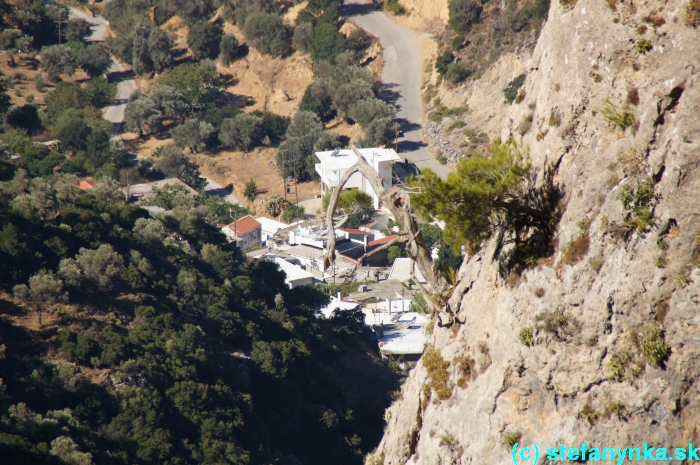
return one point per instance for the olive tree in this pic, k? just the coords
(347, 95)
(108, 190)
(159, 45)
(228, 49)
(141, 115)
(242, 131)
(203, 40)
(141, 61)
(303, 37)
(367, 110)
(95, 59)
(174, 164)
(44, 290)
(57, 59)
(92, 269)
(170, 103)
(193, 134)
(77, 29)
(267, 33)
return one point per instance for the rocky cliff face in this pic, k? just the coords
(572, 349)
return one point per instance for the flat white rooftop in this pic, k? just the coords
(346, 158)
(293, 272)
(271, 225)
(399, 333)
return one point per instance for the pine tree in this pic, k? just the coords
(483, 194)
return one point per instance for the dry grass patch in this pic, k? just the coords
(576, 250)
(436, 367)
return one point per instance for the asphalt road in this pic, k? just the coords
(126, 86)
(401, 80)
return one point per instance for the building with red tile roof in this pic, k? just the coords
(86, 185)
(381, 241)
(355, 231)
(246, 232)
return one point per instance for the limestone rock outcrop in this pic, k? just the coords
(611, 118)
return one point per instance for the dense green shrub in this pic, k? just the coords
(464, 14)
(456, 73)
(267, 33)
(24, 117)
(203, 39)
(511, 90)
(443, 61)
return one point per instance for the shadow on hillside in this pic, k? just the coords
(356, 10)
(119, 76)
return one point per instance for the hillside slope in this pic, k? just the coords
(597, 311)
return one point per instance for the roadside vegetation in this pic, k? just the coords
(480, 32)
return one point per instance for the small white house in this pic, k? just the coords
(335, 163)
(246, 232)
(296, 275)
(270, 227)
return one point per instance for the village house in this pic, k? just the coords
(246, 232)
(335, 163)
(270, 227)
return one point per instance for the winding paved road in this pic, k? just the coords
(401, 80)
(127, 86)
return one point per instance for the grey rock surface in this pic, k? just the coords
(561, 390)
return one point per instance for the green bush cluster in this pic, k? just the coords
(511, 90)
(204, 352)
(638, 202)
(526, 336)
(653, 345)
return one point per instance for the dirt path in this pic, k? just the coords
(401, 80)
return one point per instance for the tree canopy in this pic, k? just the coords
(485, 192)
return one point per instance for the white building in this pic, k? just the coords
(338, 303)
(245, 232)
(295, 275)
(335, 163)
(270, 227)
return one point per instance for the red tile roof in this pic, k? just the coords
(86, 185)
(243, 225)
(355, 231)
(381, 241)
